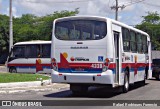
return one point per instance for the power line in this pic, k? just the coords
(133, 2)
(117, 6)
(70, 1)
(151, 4)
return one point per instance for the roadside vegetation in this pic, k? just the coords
(19, 77)
(151, 25)
(28, 27)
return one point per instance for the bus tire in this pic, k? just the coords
(12, 70)
(126, 82)
(79, 89)
(158, 76)
(146, 73)
(144, 81)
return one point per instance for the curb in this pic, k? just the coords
(7, 91)
(55, 87)
(32, 86)
(25, 84)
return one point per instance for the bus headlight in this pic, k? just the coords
(54, 64)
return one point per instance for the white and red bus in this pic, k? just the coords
(90, 50)
(30, 57)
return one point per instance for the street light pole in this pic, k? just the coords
(10, 26)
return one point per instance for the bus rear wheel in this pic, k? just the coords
(158, 76)
(126, 82)
(12, 70)
(144, 81)
(78, 89)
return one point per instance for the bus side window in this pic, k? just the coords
(126, 38)
(46, 50)
(133, 43)
(139, 43)
(33, 51)
(144, 44)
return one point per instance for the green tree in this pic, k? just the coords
(151, 25)
(29, 27)
(45, 23)
(4, 33)
(24, 28)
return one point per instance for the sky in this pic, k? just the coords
(131, 14)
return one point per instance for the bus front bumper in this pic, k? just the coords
(91, 78)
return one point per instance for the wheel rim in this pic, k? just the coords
(126, 83)
(14, 71)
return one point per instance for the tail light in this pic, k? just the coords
(54, 64)
(106, 64)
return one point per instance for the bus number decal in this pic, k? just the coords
(96, 65)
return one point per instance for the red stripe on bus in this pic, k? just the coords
(87, 65)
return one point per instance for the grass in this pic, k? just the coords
(19, 77)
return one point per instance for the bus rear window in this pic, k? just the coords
(80, 30)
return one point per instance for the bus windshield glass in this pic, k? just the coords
(80, 30)
(18, 52)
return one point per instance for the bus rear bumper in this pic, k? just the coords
(102, 78)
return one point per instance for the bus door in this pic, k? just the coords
(117, 56)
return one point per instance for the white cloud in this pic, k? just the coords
(0, 5)
(14, 11)
(131, 14)
(40, 7)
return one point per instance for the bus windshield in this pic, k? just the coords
(18, 52)
(80, 30)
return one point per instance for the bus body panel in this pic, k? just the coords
(105, 78)
(25, 64)
(89, 51)
(29, 65)
(82, 59)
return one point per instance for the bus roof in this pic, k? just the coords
(33, 42)
(104, 19)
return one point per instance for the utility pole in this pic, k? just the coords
(10, 26)
(116, 17)
(116, 7)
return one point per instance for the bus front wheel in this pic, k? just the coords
(12, 70)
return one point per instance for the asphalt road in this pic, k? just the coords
(137, 92)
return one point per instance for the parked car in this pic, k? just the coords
(156, 68)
